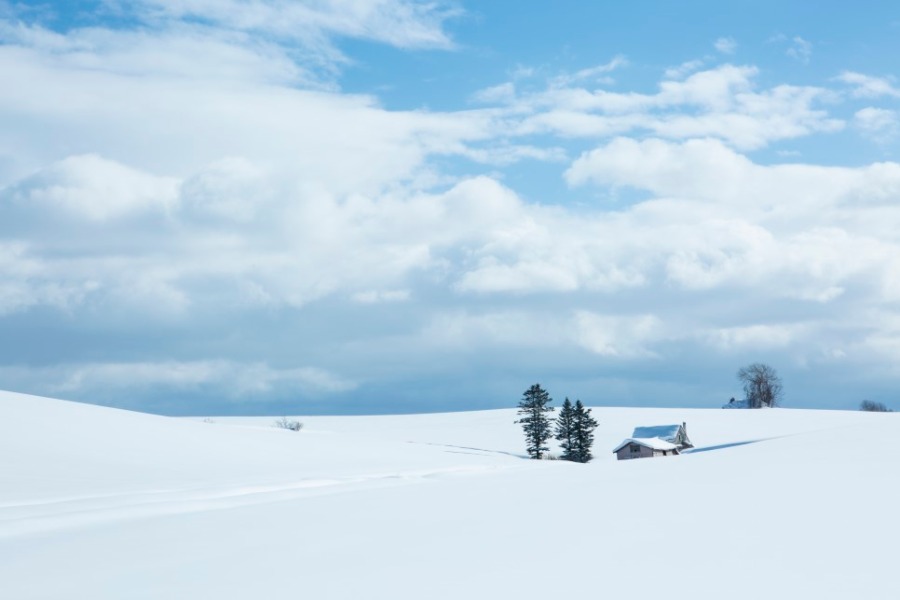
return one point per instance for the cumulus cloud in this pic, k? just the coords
(725, 45)
(93, 188)
(738, 223)
(709, 170)
(237, 238)
(722, 102)
(280, 237)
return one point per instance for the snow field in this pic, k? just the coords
(99, 503)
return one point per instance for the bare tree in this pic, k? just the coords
(870, 406)
(762, 386)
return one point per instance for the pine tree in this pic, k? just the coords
(583, 425)
(565, 430)
(533, 409)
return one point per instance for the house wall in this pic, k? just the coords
(626, 453)
(681, 440)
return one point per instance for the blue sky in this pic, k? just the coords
(222, 207)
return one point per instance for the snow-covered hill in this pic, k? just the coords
(100, 503)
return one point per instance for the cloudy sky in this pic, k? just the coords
(366, 206)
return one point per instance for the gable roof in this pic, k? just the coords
(653, 442)
(663, 432)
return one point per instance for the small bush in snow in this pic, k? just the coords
(285, 423)
(869, 406)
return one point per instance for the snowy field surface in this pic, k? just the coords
(98, 503)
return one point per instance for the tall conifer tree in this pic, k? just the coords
(565, 430)
(533, 410)
(583, 425)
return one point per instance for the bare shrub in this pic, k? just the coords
(285, 423)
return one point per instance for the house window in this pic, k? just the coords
(635, 448)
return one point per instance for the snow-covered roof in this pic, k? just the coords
(738, 404)
(663, 432)
(652, 442)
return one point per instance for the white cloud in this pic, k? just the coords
(866, 86)
(27, 281)
(800, 50)
(620, 336)
(467, 331)
(522, 72)
(725, 45)
(757, 337)
(537, 252)
(375, 296)
(222, 194)
(400, 23)
(507, 154)
(721, 102)
(265, 40)
(230, 379)
(709, 170)
(879, 124)
(684, 69)
(617, 336)
(735, 223)
(260, 238)
(93, 188)
(176, 126)
(590, 75)
(502, 93)
(231, 189)
(158, 52)
(307, 29)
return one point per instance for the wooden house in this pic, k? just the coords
(658, 440)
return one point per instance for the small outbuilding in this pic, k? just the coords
(737, 404)
(658, 440)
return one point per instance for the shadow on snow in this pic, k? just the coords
(723, 446)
